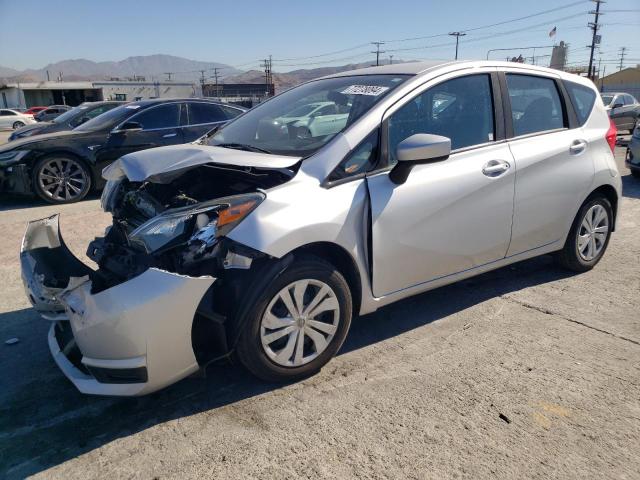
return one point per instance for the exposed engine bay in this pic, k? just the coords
(179, 226)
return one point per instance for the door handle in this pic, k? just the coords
(577, 146)
(495, 168)
(169, 135)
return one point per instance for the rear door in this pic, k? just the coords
(201, 118)
(160, 127)
(552, 159)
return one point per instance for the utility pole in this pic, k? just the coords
(594, 38)
(390, 59)
(48, 79)
(457, 35)
(377, 51)
(168, 74)
(268, 77)
(622, 54)
(202, 82)
(215, 77)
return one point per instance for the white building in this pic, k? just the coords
(25, 95)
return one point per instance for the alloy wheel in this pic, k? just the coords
(18, 125)
(299, 322)
(62, 179)
(593, 232)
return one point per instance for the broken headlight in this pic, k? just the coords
(110, 195)
(208, 219)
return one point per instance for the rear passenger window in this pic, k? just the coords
(582, 99)
(460, 109)
(535, 104)
(205, 113)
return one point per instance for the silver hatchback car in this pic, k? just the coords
(265, 238)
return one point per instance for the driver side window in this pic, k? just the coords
(460, 109)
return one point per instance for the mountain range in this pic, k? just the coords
(148, 66)
(156, 67)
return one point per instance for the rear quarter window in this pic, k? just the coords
(582, 99)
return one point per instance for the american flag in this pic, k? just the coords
(552, 33)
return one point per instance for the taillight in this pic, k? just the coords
(611, 135)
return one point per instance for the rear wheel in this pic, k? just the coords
(299, 322)
(61, 179)
(17, 125)
(589, 235)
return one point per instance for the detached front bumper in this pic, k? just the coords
(131, 339)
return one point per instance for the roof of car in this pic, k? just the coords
(422, 68)
(156, 101)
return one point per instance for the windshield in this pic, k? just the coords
(68, 115)
(108, 119)
(271, 128)
(607, 99)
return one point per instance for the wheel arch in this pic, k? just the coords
(610, 193)
(344, 263)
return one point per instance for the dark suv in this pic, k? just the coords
(63, 167)
(67, 121)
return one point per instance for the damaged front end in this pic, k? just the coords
(156, 308)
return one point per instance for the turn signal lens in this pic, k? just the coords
(611, 135)
(235, 212)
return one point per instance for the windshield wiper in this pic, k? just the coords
(242, 146)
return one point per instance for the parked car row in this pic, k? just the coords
(264, 239)
(65, 164)
(66, 121)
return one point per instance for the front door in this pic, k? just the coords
(448, 216)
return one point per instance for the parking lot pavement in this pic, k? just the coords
(4, 135)
(527, 371)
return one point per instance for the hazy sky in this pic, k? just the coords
(34, 33)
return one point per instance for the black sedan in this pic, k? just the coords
(67, 121)
(63, 167)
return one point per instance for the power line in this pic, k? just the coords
(356, 47)
(466, 30)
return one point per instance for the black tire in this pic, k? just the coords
(250, 350)
(17, 125)
(74, 196)
(569, 257)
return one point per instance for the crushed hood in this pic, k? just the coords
(164, 164)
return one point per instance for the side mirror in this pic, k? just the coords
(417, 149)
(130, 127)
(617, 105)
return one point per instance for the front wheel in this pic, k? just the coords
(589, 235)
(61, 179)
(298, 323)
(17, 125)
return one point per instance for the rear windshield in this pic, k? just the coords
(582, 99)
